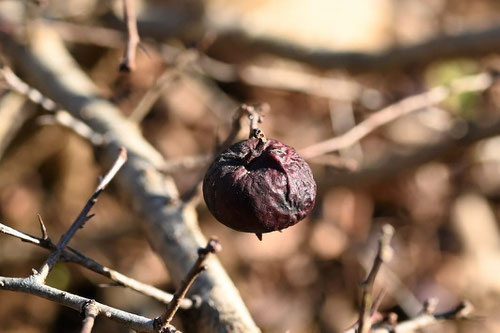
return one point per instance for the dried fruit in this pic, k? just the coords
(259, 186)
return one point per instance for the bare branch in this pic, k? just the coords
(91, 311)
(253, 112)
(461, 311)
(152, 95)
(413, 103)
(154, 193)
(30, 285)
(469, 43)
(23, 88)
(199, 266)
(459, 137)
(384, 254)
(13, 114)
(63, 118)
(71, 255)
(89, 34)
(286, 79)
(128, 61)
(83, 217)
(258, 76)
(59, 116)
(186, 163)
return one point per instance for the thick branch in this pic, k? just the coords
(467, 44)
(171, 225)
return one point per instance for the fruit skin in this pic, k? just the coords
(258, 187)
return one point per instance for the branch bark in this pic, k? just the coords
(30, 285)
(71, 255)
(395, 163)
(128, 62)
(467, 44)
(199, 266)
(13, 114)
(462, 311)
(91, 311)
(390, 113)
(83, 217)
(171, 225)
(384, 254)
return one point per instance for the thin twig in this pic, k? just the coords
(153, 94)
(83, 217)
(63, 118)
(59, 116)
(32, 286)
(199, 266)
(176, 65)
(23, 88)
(384, 254)
(253, 112)
(91, 311)
(71, 255)
(478, 82)
(186, 163)
(462, 311)
(128, 61)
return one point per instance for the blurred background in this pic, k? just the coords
(207, 57)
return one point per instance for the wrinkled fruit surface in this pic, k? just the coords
(259, 187)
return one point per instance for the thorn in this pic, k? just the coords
(259, 236)
(45, 235)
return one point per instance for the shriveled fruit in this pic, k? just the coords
(259, 186)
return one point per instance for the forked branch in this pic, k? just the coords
(384, 254)
(83, 217)
(213, 246)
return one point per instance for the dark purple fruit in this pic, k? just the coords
(258, 187)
